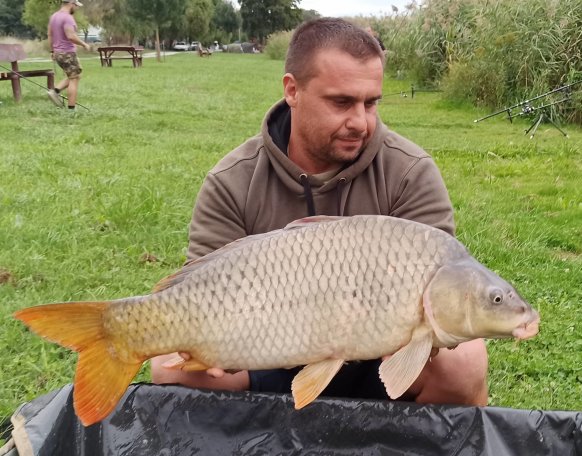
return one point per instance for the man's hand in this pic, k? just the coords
(215, 372)
(87, 46)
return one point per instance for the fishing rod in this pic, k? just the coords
(527, 102)
(544, 115)
(529, 109)
(413, 90)
(37, 84)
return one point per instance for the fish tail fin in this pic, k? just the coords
(101, 378)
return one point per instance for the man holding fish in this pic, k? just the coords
(360, 293)
(323, 150)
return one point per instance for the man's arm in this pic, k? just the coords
(71, 35)
(50, 37)
(217, 219)
(423, 197)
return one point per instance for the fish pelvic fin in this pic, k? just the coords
(400, 370)
(101, 378)
(312, 380)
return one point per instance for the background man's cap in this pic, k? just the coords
(73, 1)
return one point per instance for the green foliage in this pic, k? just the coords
(308, 15)
(264, 17)
(277, 45)
(37, 13)
(97, 206)
(491, 53)
(156, 14)
(226, 22)
(11, 19)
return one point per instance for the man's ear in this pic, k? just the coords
(290, 89)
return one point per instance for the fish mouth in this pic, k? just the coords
(528, 329)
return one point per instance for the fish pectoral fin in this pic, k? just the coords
(179, 363)
(312, 380)
(400, 371)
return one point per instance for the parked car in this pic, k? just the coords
(194, 45)
(181, 46)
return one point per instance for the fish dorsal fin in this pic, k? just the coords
(400, 371)
(312, 380)
(192, 265)
(303, 222)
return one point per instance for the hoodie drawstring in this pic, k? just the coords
(308, 194)
(304, 179)
(339, 189)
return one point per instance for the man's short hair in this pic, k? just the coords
(327, 33)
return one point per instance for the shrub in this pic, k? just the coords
(277, 45)
(492, 53)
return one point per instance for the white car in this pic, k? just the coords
(181, 46)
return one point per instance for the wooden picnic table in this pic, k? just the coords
(13, 53)
(108, 53)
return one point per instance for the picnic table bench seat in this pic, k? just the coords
(13, 53)
(109, 53)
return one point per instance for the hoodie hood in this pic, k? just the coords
(275, 131)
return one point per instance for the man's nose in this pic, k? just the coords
(357, 118)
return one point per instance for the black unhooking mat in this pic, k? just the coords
(172, 420)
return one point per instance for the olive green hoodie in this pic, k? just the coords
(256, 188)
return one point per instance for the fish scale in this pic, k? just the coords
(320, 292)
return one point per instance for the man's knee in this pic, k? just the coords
(456, 376)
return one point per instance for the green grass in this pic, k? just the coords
(85, 199)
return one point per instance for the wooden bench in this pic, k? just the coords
(204, 52)
(108, 53)
(13, 53)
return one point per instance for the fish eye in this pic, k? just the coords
(496, 296)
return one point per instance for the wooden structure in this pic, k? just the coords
(109, 53)
(14, 53)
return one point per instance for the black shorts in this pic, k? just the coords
(357, 379)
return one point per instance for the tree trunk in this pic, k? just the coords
(158, 56)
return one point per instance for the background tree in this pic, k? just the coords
(198, 18)
(263, 17)
(226, 22)
(156, 15)
(11, 20)
(38, 12)
(308, 15)
(96, 10)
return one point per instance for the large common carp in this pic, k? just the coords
(320, 292)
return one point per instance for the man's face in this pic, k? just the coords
(333, 115)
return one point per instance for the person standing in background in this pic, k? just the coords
(63, 41)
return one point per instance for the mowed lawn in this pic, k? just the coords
(96, 206)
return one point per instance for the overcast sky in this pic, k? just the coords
(353, 7)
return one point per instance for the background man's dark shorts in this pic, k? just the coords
(355, 379)
(69, 62)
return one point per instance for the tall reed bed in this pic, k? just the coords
(491, 53)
